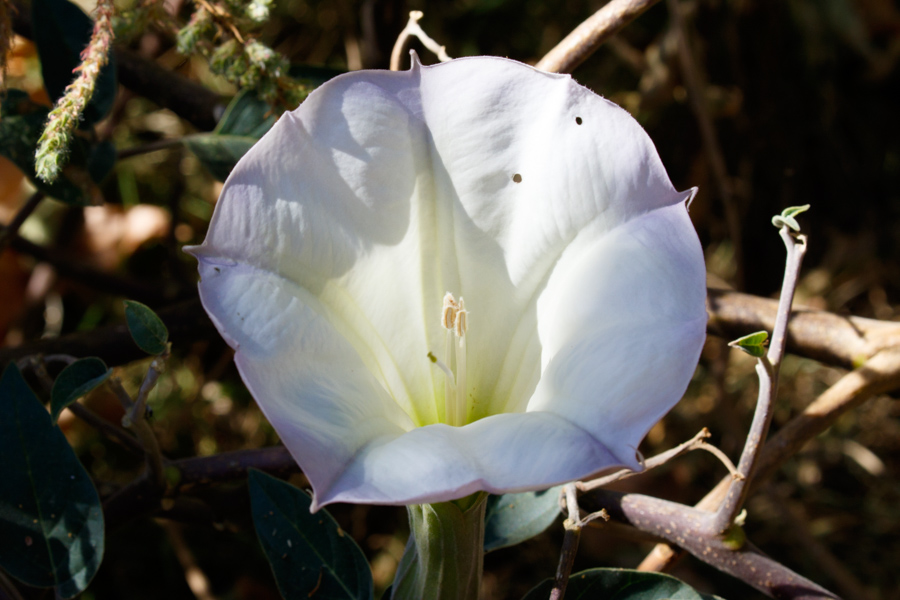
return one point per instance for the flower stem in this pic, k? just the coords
(444, 555)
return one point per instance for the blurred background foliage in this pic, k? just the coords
(804, 97)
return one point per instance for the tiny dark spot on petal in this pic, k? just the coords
(517, 178)
(578, 120)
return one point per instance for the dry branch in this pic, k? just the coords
(584, 40)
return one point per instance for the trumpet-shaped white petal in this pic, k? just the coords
(336, 240)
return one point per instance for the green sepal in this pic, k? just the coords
(444, 555)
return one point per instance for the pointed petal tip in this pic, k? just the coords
(689, 196)
(414, 62)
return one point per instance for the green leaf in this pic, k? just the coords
(51, 522)
(246, 116)
(219, 153)
(786, 218)
(513, 518)
(146, 328)
(21, 125)
(309, 554)
(246, 119)
(76, 380)
(61, 31)
(753, 344)
(621, 584)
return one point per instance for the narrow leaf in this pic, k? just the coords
(75, 381)
(146, 328)
(513, 518)
(219, 153)
(310, 556)
(621, 584)
(51, 522)
(753, 344)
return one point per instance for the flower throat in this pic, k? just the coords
(455, 320)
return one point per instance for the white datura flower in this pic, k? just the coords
(469, 276)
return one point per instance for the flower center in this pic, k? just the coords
(455, 320)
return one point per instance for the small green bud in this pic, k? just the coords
(753, 344)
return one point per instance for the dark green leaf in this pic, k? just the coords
(219, 153)
(76, 380)
(753, 344)
(621, 584)
(21, 125)
(246, 119)
(51, 522)
(306, 551)
(246, 116)
(61, 31)
(513, 518)
(146, 328)
(313, 75)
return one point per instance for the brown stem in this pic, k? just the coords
(9, 232)
(879, 375)
(767, 369)
(584, 40)
(679, 525)
(572, 526)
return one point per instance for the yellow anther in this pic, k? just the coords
(448, 313)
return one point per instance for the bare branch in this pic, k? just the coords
(413, 29)
(9, 232)
(584, 40)
(836, 340)
(767, 369)
(879, 375)
(678, 525)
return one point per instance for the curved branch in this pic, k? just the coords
(584, 40)
(677, 524)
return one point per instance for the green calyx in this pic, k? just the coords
(444, 556)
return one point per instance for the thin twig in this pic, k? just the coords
(881, 374)
(149, 147)
(413, 29)
(138, 408)
(138, 424)
(767, 369)
(9, 232)
(651, 463)
(108, 429)
(105, 427)
(584, 40)
(572, 526)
